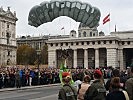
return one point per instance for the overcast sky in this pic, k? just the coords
(121, 15)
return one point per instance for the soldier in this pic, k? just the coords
(67, 92)
(97, 90)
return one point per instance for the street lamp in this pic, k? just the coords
(38, 63)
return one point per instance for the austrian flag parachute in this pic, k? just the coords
(48, 11)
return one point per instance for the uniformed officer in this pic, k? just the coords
(67, 92)
(97, 90)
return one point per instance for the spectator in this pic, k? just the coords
(129, 85)
(116, 93)
(77, 82)
(18, 80)
(116, 73)
(83, 87)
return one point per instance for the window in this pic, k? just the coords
(3, 24)
(99, 42)
(104, 42)
(84, 34)
(8, 53)
(7, 25)
(7, 40)
(51, 44)
(61, 44)
(13, 35)
(66, 44)
(123, 42)
(88, 42)
(110, 42)
(82, 43)
(128, 42)
(90, 33)
(56, 44)
(79, 34)
(3, 34)
(71, 43)
(72, 35)
(93, 42)
(7, 35)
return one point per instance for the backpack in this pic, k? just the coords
(70, 93)
(99, 92)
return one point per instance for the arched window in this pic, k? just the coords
(84, 34)
(90, 33)
(79, 34)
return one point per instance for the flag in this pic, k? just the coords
(63, 69)
(62, 28)
(106, 19)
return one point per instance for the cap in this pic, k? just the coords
(98, 72)
(65, 74)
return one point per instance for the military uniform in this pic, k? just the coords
(96, 91)
(67, 92)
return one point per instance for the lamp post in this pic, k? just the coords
(38, 63)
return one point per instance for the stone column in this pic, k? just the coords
(112, 57)
(75, 58)
(86, 58)
(97, 58)
(121, 59)
(52, 58)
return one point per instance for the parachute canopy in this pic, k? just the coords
(48, 11)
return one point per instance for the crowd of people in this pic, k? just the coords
(119, 85)
(20, 77)
(24, 76)
(88, 84)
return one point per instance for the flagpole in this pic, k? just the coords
(109, 22)
(109, 27)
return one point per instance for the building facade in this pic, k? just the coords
(7, 37)
(88, 48)
(93, 51)
(37, 42)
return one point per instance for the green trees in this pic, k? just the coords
(44, 54)
(27, 55)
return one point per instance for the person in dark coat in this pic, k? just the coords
(115, 73)
(18, 79)
(129, 85)
(97, 90)
(116, 93)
